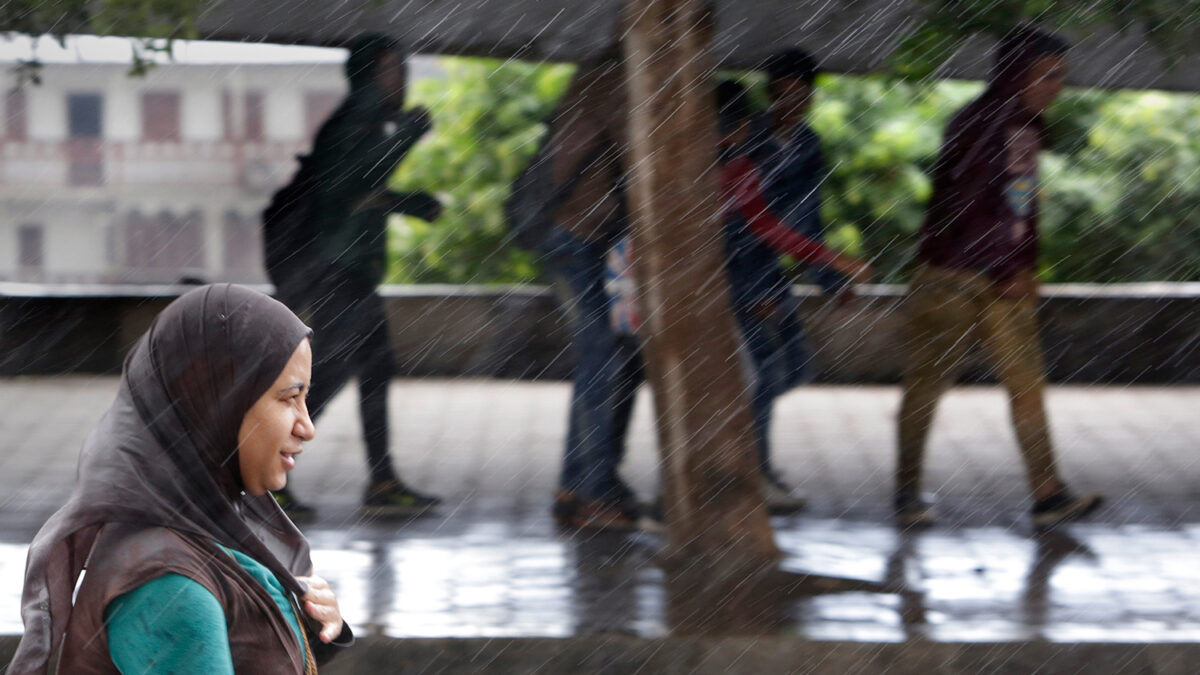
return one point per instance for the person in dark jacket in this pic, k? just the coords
(171, 513)
(354, 153)
(791, 164)
(756, 237)
(977, 277)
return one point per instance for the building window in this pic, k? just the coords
(31, 247)
(110, 243)
(250, 115)
(165, 247)
(84, 116)
(227, 131)
(189, 241)
(318, 106)
(243, 248)
(15, 116)
(160, 116)
(180, 243)
(85, 124)
(137, 243)
(255, 114)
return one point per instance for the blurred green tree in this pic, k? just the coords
(488, 121)
(1122, 174)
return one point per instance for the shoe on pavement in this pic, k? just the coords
(394, 498)
(298, 511)
(780, 498)
(576, 513)
(623, 498)
(911, 510)
(1063, 507)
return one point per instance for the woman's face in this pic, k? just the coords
(275, 426)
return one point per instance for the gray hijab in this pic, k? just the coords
(165, 453)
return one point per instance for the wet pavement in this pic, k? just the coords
(493, 564)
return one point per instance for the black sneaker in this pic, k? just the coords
(1063, 507)
(295, 509)
(622, 497)
(911, 510)
(393, 498)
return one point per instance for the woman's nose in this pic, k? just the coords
(305, 429)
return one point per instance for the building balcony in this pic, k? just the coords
(256, 167)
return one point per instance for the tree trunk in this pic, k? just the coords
(716, 522)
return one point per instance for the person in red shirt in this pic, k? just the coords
(755, 239)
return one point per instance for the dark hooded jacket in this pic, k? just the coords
(354, 153)
(983, 213)
(159, 486)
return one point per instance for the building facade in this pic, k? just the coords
(111, 178)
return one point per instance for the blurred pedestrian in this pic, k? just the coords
(191, 566)
(977, 279)
(591, 219)
(354, 153)
(756, 237)
(791, 168)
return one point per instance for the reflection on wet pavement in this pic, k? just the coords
(1096, 584)
(493, 564)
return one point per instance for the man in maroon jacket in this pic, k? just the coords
(977, 274)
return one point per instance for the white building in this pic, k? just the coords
(107, 177)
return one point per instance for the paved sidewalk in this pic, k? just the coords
(493, 564)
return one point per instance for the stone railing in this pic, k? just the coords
(1128, 333)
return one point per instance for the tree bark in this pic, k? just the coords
(717, 524)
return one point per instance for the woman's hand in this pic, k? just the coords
(321, 604)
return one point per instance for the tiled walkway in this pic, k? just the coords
(492, 563)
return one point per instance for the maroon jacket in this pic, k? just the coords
(983, 214)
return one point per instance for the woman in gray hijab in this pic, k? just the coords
(191, 564)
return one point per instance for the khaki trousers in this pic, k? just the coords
(948, 311)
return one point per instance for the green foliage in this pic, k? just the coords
(1122, 200)
(944, 25)
(880, 135)
(487, 119)
(1122, 174)
(155, 23)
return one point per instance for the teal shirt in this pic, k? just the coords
(173, 624)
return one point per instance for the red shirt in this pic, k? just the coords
(742, 187)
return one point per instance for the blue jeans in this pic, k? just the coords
(607, 373)
(776, 347)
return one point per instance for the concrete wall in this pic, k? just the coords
(1136, 333)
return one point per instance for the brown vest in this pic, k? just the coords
(127, 556)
